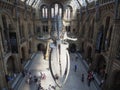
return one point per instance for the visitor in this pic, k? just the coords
(75, 67)
(82, 79)
(101, 83)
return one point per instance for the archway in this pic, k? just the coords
(72, 47)
(88, 55)
(11, 65)
(99, 39)
(106, 31)
(100, 65)
(41, 47)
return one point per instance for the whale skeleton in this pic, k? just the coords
(64, 66)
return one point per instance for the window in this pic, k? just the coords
(44, 12)
(52, 12)
(68, 13)
(56, 9)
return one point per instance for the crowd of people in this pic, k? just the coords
(30, 78)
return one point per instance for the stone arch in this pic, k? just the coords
(11, 65)
(8, 33)
(9, 19)
(45, 7)
(71, 8)
(70, 13)
(41, 47)
(99, 39)
(100, 65)
(107, 21)
(5, 33)
(107, 33)
(72, 47)
(60, 6)
(106, 30)
(106, 14)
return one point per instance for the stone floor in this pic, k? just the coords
(74, 79)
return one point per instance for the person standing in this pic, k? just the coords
(89, 80)
(75, 67)
(76, 58)
(101, 83)
(82, 79)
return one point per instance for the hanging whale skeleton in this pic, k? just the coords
(60, 63)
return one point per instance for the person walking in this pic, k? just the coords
(89, 80)
(39, 86)
(76, 58)
(101, 83)
(82, 78)
(75, 67)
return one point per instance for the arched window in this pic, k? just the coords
(52, 12)
(60, 12)
(56, 9)
(68, 13)
(99, 38)
(44, 12)
(106, 31)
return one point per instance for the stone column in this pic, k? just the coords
(47, 51)
(3, 83)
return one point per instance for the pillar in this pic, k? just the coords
(47, 51)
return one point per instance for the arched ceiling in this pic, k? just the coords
(37, 3)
